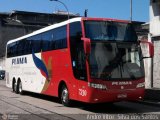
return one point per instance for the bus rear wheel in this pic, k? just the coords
(65, 96)
(20, 90)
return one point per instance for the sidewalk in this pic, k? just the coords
(152, 97)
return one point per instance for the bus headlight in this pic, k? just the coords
(97, 86)
(140, 85)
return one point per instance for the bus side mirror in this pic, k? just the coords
(147, 49)
(87, 45)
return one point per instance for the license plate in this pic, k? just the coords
(122, 96)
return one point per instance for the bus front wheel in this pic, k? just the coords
(65, 96)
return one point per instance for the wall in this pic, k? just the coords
(155, 18)
(155, 38)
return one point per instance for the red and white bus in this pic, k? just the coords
(91, 60)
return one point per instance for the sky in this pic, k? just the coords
(119, 9)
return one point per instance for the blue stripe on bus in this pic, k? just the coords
(40, 64)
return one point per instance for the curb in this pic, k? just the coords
(151, 103)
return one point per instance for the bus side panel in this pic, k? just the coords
(60, 69)
(24, 69)
(43, 72)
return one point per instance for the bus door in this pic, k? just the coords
(78, 57)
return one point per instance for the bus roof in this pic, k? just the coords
(46, 29)
(61, 24)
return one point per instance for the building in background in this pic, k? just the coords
(19, 23)
(154, 35)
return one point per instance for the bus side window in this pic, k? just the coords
(77, 51)
(25, 52)
(9, 51)
(20, 47)
(14, 49)
(54, 39)
(34, 44)
(60, 37)
(46, 41)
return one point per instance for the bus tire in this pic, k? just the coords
(14, 86)
(65, 96)
(20, 89)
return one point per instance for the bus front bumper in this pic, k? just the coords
(102, 96)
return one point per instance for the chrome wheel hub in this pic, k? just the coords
(20, 87)
(65, 95)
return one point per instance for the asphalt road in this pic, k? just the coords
(39, 107)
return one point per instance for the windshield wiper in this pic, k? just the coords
(129, 72)
(119, 62)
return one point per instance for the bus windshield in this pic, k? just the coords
(109, 30)
(115, 52)
(114, 60)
